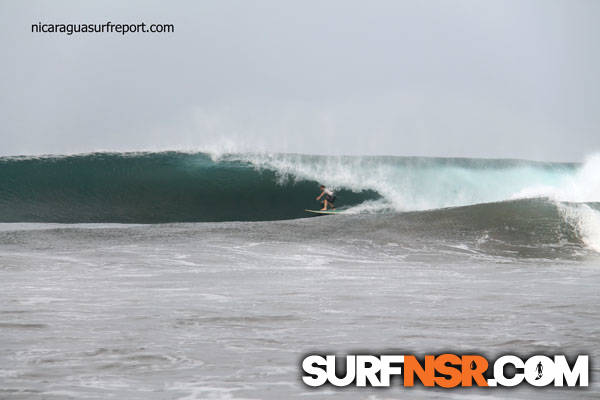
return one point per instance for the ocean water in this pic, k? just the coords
(184, 276)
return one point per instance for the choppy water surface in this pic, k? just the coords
(228, 310)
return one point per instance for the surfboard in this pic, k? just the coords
(323, 211)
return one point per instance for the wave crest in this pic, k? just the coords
(191, 187)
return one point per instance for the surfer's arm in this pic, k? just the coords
(321, 195)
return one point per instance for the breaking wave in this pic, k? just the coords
(194, 187)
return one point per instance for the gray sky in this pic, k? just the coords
(517, 79)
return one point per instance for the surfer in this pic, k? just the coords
(329, 198)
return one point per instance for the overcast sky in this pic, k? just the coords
(514, 79)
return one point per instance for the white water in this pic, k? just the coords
(581, 187)
(227, 310)
(585, 220)
(423, 184)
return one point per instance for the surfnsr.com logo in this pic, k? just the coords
(444, 370)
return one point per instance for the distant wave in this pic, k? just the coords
(193, 187)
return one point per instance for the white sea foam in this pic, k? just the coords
(582, 186)
(421, 184)
(585, 220)
(570, 198)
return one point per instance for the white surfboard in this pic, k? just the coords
(324, 211)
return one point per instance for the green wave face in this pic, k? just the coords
(151, 188)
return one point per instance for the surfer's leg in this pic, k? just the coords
(324, 205)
